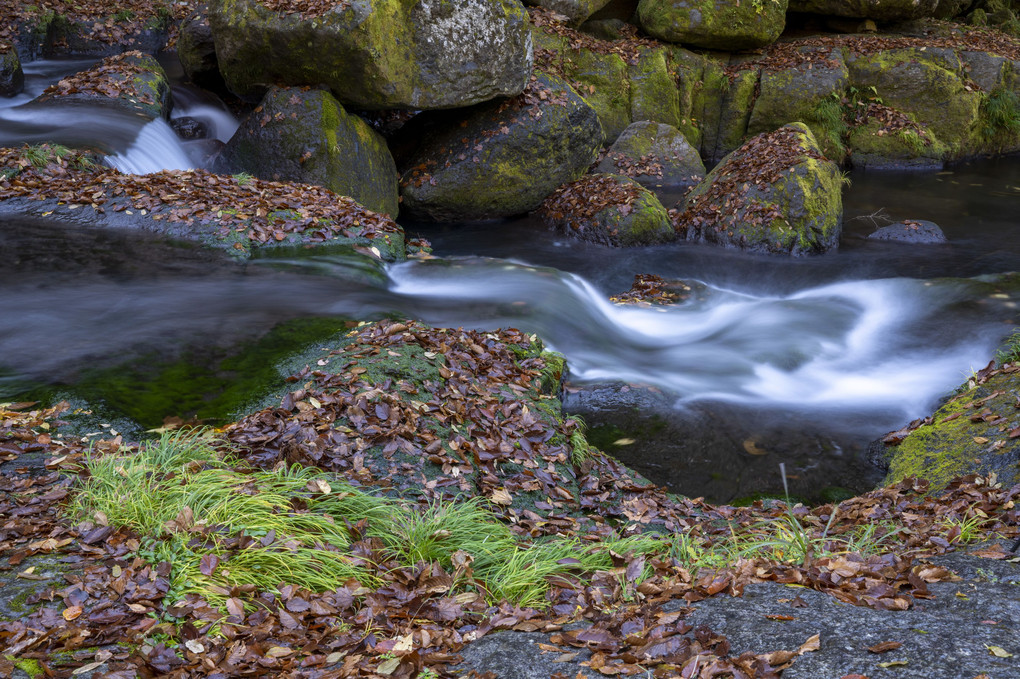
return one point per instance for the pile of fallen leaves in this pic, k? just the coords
(110, 22)
(890, 119)
(648, 165)
(652, 289)
(306, 9)
(814, 51)
(113, 77)
(629, 48)
(758, 164)
(474, 408)
(261, 211)
(576, 203)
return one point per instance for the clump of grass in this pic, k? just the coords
(243, 178)
(580, 449)
(1010, 350)
(830, 116)
(1000, 115)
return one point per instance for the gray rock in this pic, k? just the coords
(722, 25)
(879, 10)
(307, 136)
(911, 231)
(516, 655)
(576, 11)
(661, 155)
(501, 159)
(12, 78)
(377, 54)
(197, 52)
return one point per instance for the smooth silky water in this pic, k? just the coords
(802, 361)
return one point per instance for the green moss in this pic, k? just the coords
(653, 90)
(723, 25)
(953, 445)
(33, 668)
(1000, 119)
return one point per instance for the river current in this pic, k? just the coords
(802, 361)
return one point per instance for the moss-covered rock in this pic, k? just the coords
(197, 52)
(12, 78)
(503, 158)
(610, 210)
(132, 81)
(795, 94)
(775, 194)
(306, 136)
(927, 84)
(377, 54)
(690, 69)
(653, 89)
(874, 147)
(576, 11)
(656, 155)
(969, 434)
(602, 80)
(714, 24)
(879, 10)
(725, 102)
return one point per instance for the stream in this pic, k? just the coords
(796, 361)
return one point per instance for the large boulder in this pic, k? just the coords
(610, 210)
(887, 139)
(576, 11)
(723, 25)
(801, 93)
(722, 106)
(775, 194)
(306, 136)
(655, 155)
(375, 54)
(12, 78)
(879, 10)
(501, 158)
(197, 52)
(132, 81)
(929, 84)
(653, 88)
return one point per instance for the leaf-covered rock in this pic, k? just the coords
(132, 80)
(610, 210)
(775, 194)
(879, 10)
(656, 155)
(887, 140)
(712, 24)
(504, 158)
(306, 136)
(12, 78)
(575, 11)
(376, 54)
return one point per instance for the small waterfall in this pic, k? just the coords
(156, 148)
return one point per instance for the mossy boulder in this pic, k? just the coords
(873, 147)
(723, 106)
(576, 11)
(970, 433)
(714, 24)
(12, 78)
(775, 194)
(610, 210)
(602, 79)
(655, 155)
(797, 94)
(928, 84)
(132, 81)
(879, 10)
(377, 54)
(306, 136)
(197, 52)
(653, 89)
(501, 158)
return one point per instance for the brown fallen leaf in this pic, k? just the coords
(885, 646)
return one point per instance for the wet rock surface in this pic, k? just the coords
(911, 231)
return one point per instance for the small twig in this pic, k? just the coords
(879, 214)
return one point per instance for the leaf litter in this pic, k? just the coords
(467, 427)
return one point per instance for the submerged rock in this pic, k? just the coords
(775, 194)
(655, 155)
(911, 231)
(306, 136)
(722, 25)
(12, 78)
(376, 53)
(504, 158)
(610, 210)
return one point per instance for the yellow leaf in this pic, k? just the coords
(980, 439)
(998, 651)
(624, 442)
(71, 612)
(278, 652)
(388, 666)
(501, 497)
(893, 663)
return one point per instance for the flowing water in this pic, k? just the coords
(774, 360)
